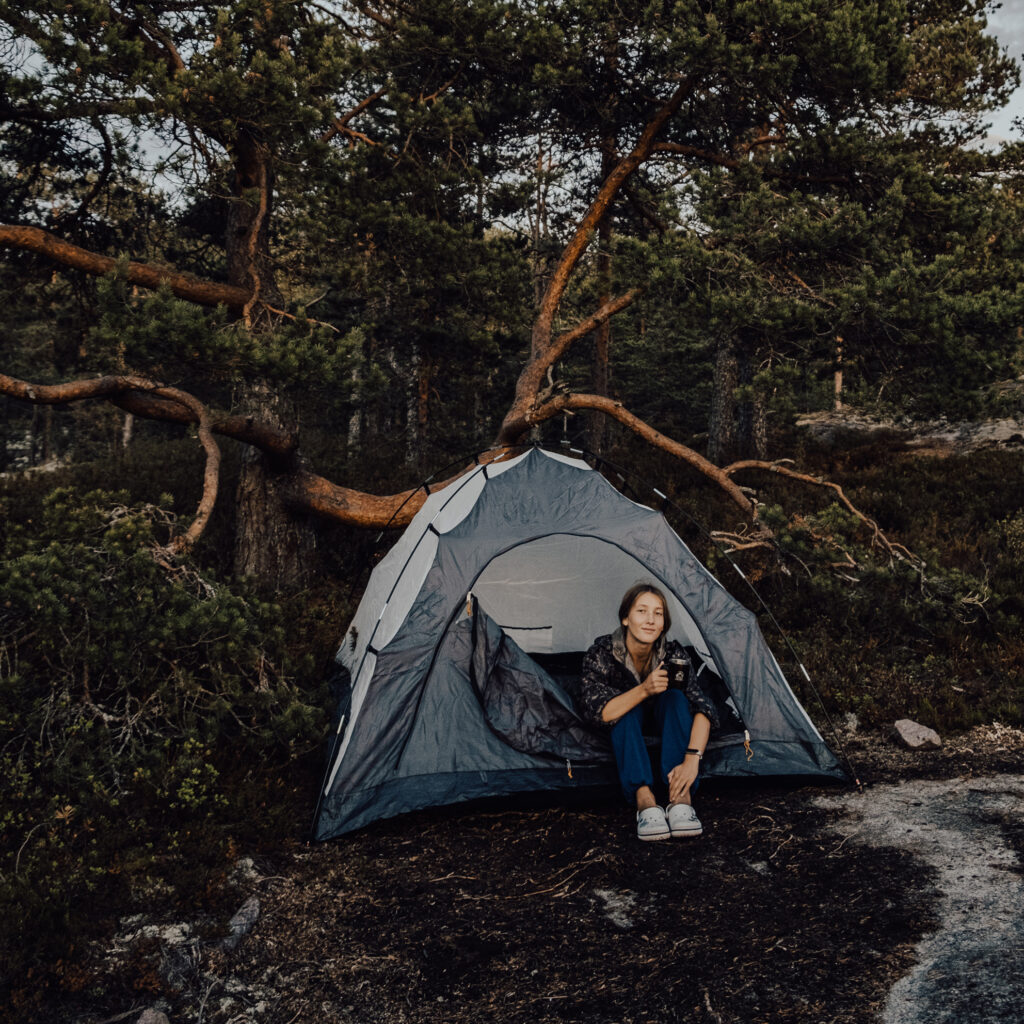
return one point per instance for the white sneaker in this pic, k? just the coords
(682, 821)
(652, 824)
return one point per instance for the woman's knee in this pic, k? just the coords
(675, 698)
(675, 702)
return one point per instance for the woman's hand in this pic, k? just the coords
(656, 682)
(681, 778)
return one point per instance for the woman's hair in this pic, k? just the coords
(629, 599)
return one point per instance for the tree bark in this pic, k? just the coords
(544, 351)
(185, 286)
(722, 422)
(600, 375)
(751, 414)
(273, 546)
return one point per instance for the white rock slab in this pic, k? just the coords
(972, 968)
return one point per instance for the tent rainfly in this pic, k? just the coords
(459, 665)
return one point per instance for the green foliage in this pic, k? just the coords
(135, 703)
(884, 638)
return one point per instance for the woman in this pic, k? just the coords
(625, 681)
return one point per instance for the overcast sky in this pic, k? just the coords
(1007, 25)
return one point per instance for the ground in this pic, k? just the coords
(812, 903)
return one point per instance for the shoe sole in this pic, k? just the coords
(654, 839)
(687, 833)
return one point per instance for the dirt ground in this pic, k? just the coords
(797, 904)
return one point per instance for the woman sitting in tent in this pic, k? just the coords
(625, 686)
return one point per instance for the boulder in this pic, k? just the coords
(915, 736)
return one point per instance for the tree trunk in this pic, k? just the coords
(272, 544)
(600, 377)
(752, 420)
(722, 424)
(838, 376)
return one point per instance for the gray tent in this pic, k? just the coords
(459, 665)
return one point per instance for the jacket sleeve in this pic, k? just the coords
(595, 690)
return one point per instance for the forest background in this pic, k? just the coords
(271, 264)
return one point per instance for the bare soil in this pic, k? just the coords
(559, 914)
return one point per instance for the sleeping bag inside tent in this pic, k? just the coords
(458, 668)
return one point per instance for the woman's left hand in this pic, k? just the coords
(682, 777)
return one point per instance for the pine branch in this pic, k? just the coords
(185, 286)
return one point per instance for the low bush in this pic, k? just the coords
(142, 705)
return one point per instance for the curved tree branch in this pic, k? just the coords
(532, 375)
(314, 493)
(654, 437)
(115, 386)
(877, 536)
(185, 286)
(341, 123)
(308, 491)
(584, 327)
(276, 443)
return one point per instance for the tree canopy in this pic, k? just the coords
(413, 228)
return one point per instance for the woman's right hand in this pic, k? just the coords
(656, 682)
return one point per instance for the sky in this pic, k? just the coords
(1007, 25)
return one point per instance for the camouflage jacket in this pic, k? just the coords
(608, 670)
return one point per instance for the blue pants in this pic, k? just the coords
(672, 719)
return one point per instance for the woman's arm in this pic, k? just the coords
(682, 777)
(656, 682)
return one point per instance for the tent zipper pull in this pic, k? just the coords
(568, 767)
(746, 744)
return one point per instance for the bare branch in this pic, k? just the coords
(273, 442)
(584, 327)
(654, 437)
(185, 286)
(532, 375)
(707, 155)
(340, 123)
(357, 508)
(101, 179)
(111, 387)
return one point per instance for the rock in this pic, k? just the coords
(244, 871)
(242, 923)
(152, 1016)
(169, 934)
(916, 737)
(848, 427)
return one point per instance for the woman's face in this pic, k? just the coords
(646, 619)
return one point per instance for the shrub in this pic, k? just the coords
(129, 691)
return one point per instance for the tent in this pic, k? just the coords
(458, 667)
